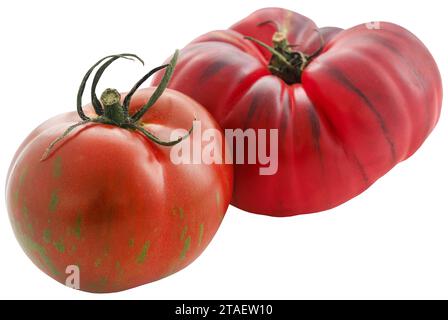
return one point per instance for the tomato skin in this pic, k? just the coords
(367, 102)
(111, 202)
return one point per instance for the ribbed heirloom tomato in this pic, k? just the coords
(348, 104)
(107, 199)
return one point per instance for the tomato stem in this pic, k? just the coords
(158, 92)
(286, 63)
(95, 102)
(152, 137)
(80, 111)
(110, 111)
(113, 110)
(127, 99)
(60, 138)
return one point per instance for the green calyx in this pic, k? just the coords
(286, 63)
(109, 108)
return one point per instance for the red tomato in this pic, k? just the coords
(110, 201)
(348, 105)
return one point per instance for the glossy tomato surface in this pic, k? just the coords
(111, 202)
(366, 102)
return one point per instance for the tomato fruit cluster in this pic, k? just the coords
(97, 189)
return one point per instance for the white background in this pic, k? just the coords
(390, 242)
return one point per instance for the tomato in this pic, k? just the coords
(348, 105)
(108, 200)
